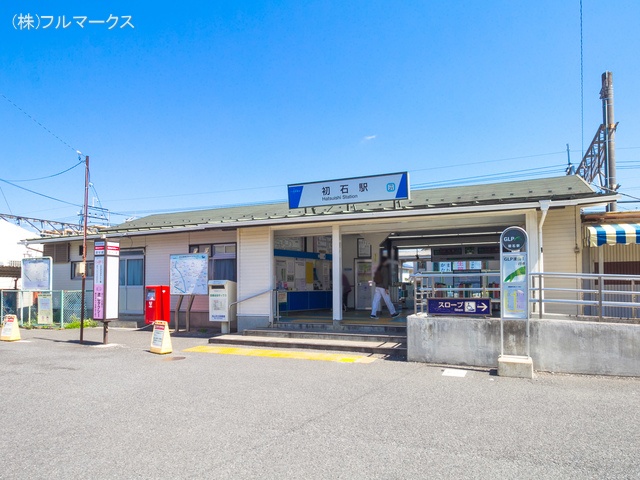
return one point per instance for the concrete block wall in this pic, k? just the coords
(563, 346)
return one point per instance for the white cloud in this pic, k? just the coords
(368, 138)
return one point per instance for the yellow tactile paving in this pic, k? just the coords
(260, 352)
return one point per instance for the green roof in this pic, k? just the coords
(555, 188)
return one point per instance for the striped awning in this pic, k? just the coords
(613, 234)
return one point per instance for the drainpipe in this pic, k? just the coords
(544, 208)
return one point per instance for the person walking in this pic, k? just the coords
(382, 280)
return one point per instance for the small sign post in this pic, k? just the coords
(10, 329)
(514, 285)
(161, 339)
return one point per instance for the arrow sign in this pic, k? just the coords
(459, 306)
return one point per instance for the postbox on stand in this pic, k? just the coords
(157, 303)
(222, 304)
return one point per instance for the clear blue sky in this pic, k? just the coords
(215, 103)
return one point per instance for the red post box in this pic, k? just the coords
(157, 303)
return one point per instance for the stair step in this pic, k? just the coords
(374, 347)
(328, 335)
(388, 329)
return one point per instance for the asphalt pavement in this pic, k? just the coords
(78, 411)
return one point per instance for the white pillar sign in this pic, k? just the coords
(514, 275)
(106, 275)
(514, 281)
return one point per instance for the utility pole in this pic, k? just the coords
(84, 244)
(606, 94)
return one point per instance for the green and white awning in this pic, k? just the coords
(613, 234)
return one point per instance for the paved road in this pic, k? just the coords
(72, 411)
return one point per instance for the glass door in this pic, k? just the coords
(131, 295)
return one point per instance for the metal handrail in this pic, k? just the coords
(600, 293)
(271, 290)
(587, 294)
(422, 292)
(249, 298)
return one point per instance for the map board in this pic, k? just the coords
(36, 273)
(189, 274)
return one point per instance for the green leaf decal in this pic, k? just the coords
(520, 271)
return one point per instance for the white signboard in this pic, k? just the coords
(189, 274)
(36, 273)
(393, 186)
(514, 276)
(106, 276)
(444, 266)
(98, 287)
(218, 305)
(45, 309)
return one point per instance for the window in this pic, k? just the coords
(76, 270)
(131, 268)
(58, 251)
(222, 260)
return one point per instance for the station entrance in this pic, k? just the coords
(460, 252)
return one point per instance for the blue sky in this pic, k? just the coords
(216, 103)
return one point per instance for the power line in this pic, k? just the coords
(581, 85)
(5, 200)
(532, 172)
(488, 161)
(80, 162)
(39, 194)
(38, 123)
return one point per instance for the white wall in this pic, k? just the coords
(561, 232)
(255, 268)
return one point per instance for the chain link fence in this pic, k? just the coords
(53, 308)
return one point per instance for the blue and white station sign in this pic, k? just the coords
(374, 188)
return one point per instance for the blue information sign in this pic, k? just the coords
(392, 186)
(459, 306)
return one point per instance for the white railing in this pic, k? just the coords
(592, 294)
(575, 294)
(455, 285)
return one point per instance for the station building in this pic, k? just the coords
(302, 253)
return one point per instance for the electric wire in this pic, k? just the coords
(532, 172)
(614, 191)
(40, 194)
(80, 162)
(488, 161)
(581, 84)
(6, 201)
(37, 122)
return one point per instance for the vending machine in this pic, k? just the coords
(157, 303)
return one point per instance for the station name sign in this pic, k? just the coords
(374, 188)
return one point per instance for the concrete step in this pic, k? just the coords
(327, 335)
(343, 327)
(372, 347)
